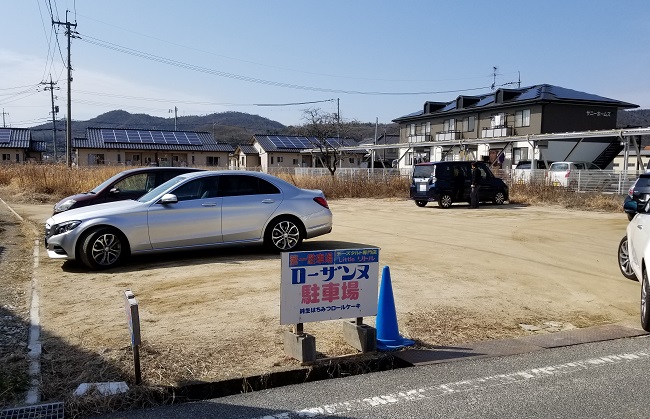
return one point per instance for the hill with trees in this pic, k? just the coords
(230, 127)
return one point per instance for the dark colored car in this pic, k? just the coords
(637, 196)
(129, 184)
(449, 181)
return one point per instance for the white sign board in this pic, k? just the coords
(328, 285)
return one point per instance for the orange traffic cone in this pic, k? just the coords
(388, 336)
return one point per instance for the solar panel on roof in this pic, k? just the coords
(5, 135)
(150, 137)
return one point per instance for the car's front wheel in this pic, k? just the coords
(283, 235)
(421, 203)
(499, 198)
(102, 248)
(445, 201)
(624, 260)
(645, 301)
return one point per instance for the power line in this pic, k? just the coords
(168, 61)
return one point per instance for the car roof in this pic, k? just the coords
(164, 168)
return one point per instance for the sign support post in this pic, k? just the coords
(133, 319)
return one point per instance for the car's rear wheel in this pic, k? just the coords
(645, 301)
(284, 234)
(102, 248)
(445, 201)
(420, 203)
(499, 198)
(624, 260)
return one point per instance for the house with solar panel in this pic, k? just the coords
(245, 157)
(132, 147)
(281, 151)
(497, 128)
(17, 146)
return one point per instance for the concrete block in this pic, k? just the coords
(360, 336)
(301, 347)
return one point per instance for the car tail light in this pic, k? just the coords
(321, 201)
(568, 172)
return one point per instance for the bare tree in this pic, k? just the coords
(325, 129)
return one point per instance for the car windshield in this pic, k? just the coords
(559, 167)
(424, 171)
(160, 189)
(642, 182)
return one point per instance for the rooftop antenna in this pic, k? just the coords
(494, 77)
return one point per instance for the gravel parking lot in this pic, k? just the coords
(458, 275)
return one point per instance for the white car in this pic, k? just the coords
(522, 172)
(634, 256)
(576, 175)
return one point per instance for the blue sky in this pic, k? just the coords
(380, 59)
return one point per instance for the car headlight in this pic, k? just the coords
(64, 227)
(65, 205)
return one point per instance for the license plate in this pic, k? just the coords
(556, 183)
(422, 187)
(520, 181)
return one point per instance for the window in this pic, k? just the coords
(411, 130)
(95, 159)
(352, 160)
(280, 159)
(119, 158)
(522, 118)
(498, 120)
(469, 123)
(271, 159)
(238, 185)
(295, 161)
(6, 157)
(139, 182)
(211, 161)
(449, 125)
(428, 128)
(191, 190)
(519, 154)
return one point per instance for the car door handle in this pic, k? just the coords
(639, 226)
(209, 204)
(268, 201)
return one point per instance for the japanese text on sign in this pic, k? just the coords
(329, 284)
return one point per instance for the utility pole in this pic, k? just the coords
(4, 125)
(55, 110)
(68, 133)
(175, 117)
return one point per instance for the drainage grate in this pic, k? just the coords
(40, 411)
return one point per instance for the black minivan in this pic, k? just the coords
(449, 181)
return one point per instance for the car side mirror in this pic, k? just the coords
(168, 198)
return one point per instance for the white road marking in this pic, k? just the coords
(33, 394)
(459, 386)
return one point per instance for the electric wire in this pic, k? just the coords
(168, 61)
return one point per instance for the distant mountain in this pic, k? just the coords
(230, 127)
(635, 118)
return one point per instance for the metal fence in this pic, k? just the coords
(605, 181)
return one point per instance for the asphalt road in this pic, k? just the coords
(595, 380)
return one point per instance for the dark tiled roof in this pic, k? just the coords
(38, 146)
(247, 149)
(94, 140)
(542, 93)
(18, 138)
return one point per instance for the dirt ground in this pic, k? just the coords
(458, 275)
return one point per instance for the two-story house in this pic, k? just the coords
(494, 127)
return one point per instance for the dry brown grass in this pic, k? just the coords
(43, 183)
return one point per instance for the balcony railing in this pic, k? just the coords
(496, 132)
(419, 138)
(448, 135)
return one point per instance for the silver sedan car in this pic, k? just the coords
(191, 211)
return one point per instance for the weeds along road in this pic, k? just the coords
(458, 275)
